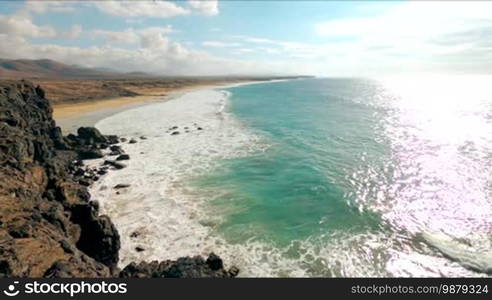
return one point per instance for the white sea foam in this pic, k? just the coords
(155, 204)
(173, 219)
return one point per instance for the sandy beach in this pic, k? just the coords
(73, 115)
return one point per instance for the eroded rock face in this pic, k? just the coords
(42, 229)
(48, 225)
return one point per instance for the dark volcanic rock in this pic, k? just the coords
(38, 199)
(85, 182)
(214, 262)
(132, 141)
(100, 239)
(115, 164)
(185, 267)
(123, 157)
(112, 139)
(90, 154)
(49, 227)
(116, 149)
(175, 133)
(91, 135)
(121, 186)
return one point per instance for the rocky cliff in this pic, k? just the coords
(49, 227)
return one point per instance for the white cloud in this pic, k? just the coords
(133, 36)
(414, 36)
(156, 8)
(74, 33)
(411, 24)
(411, 20)
(21, 25)
(218, 44)
(205, 7)
(45, 6)
(408, 37)
(131, 9)
(160, 56)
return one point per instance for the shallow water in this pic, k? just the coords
(316, 177)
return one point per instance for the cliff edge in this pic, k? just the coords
(49, 227)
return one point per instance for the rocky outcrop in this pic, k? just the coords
(48, 224)
(45, 217)
(185, 267)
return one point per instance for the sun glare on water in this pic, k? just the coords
(440, 132)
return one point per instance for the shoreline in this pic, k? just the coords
(187, 137)
(54, 228)
(74, 115)
(206, 135)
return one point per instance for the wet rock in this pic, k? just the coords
(79, 172)
(121, 186)
(214, 262)
(90, 154)
(99, 238)
(115, 164)
(118, 165)
(91, 135)
(95, 205)
(233, 271)
(112, 139)
(184, 267)
(85, 182)
(116, 148)
(123, 157)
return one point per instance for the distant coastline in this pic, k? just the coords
(72, 114)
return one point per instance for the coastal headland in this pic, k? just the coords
(49, 225)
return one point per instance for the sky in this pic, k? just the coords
(231, 37)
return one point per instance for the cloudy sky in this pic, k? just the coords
(211, 37)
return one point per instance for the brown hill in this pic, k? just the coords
(46, 68)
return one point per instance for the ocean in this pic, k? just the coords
(312, 177)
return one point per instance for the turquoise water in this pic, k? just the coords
(381, 161)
